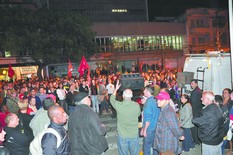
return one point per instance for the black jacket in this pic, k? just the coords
(195, 100)
(16, 142)
(4, 151)
(210, 125)
(86, 132)
(49, 141)
(24, 120)
(70, 98)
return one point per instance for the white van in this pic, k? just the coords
(212, 70)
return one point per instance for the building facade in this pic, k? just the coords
(106, 10)
(125, 38)
(130, 44)
(207, 29)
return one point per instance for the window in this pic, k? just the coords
(200, 23)
(194, 40)
(119, 10)
(201, 40)
(192, 23)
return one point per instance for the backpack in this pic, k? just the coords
(35, 145)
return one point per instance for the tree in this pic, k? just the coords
(46, 36)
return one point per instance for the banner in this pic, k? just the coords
(83, 66)
(70, 69)
(11, 72)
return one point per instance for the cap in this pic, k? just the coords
(51, 96)
(79, 96)
(163, 96)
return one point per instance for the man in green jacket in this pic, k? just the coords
(128, 112)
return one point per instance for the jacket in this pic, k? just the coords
(4, 151)
(49, 141)
(128, 112)
(186, 116)
(195, 100)
(86, 132)
(210, 125)
(151, 113)
(16, 142)
(167, 132)
(24, 120)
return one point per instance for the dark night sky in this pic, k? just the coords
(171, 8)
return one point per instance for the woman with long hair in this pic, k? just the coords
(185, 121)
(94, 93)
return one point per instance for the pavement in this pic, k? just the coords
(111, 137)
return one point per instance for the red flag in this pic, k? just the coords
(11, 72)
(70, 69)
(140, 66)
(83, 66)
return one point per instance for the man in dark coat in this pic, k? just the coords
(210, 126)
(195, 100)
(85, 130)
(16, 141)
(50, 141)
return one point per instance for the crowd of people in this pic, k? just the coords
(66, 110)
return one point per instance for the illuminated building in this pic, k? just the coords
(106, 10)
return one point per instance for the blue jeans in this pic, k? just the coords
(148, 142)
(126, 145)
(187, 143)
(223, 146)
(95, 103)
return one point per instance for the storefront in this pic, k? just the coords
(20, 73)
(27, 72)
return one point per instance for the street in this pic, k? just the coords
(112, 137)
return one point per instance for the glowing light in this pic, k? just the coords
(4, 72)
(119, 10)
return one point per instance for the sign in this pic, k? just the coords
(28, 70)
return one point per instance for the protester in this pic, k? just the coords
(16, 141)
(58, 118)
(70, 98)
(24, 120)
(37, 99)
(185, 121)
(12, 101)
(94, 93)
(128, 112)
(151, 114)
(168, 133)
(32, 109)
(195, 100)
(86, 132)
(210, 125)
(3, 149)
(41, 120)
